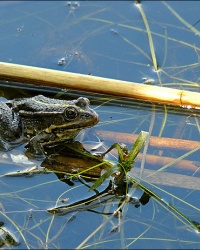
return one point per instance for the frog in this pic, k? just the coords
(43, 121)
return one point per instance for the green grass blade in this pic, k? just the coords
(138, 145)
(105, 176)
(188, 25)
(170, 207)
(153, 55)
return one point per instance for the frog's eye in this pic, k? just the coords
(71, 113)
(82, 102)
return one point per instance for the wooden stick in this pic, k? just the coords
(169, 179)
(55, 78)
(160, 161)
(157, 161)
(158, 142)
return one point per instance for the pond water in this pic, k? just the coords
(107, 39)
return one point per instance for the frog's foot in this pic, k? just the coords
(34, 147)
(5, 146)
(34, 152)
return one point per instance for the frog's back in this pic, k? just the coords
(39, 103)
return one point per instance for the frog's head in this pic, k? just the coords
(75, 116)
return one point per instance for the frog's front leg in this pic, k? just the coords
(34, 147)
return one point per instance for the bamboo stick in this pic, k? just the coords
(158, 142)
(55, 78)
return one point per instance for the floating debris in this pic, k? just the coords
(62, 61)
(29, 172)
